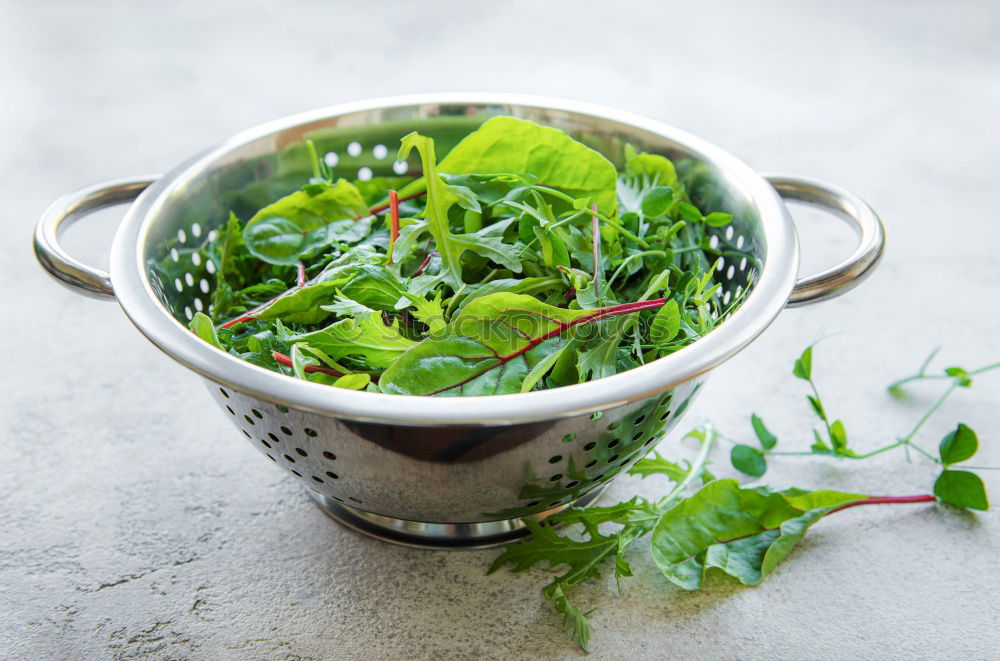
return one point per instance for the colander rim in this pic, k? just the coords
(762, 305)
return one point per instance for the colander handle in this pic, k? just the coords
(67, 210)
(871, 237)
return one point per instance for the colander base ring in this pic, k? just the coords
(440, 536)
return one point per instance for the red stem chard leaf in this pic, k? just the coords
(299, 224)
(492, 346)
(744, 532)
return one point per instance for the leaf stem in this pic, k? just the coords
(394, 222)
(596, 240)
(926, 416)
(885, 500)
(379, 208)
(696, 467)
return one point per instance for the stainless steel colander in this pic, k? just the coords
(427, 471)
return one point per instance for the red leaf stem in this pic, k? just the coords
(282, 359)
(386, 205)
(596, 239)
(394, 221)
(300, 274)
(886, 500)
(423, 265)
(249, 316)
(562, 327)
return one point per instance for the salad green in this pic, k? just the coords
(521, 260)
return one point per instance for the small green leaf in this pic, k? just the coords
(718, 219)
(689, 212)
(748, 460)
(838, 437)
(666, 324)
(657, 201)
(960, 375)
(817, 406)
(962, 489)
(353, 381)
(803, 365)
(819, 446)
(203, 327)
(959, 445)
(766, 438)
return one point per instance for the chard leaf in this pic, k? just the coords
(491, 347)
(300, 224)
(743, 532)
(507, 144)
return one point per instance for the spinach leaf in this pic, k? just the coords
(507, 144)
(298, 225)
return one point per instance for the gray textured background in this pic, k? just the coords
(136, 523)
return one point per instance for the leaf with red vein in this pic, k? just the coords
(492, 345)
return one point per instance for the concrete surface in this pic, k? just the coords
(137, 524)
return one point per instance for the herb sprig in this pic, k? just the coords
(955, 485)
(704, 523)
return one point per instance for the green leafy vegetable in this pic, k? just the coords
(748, 460)
(409, 297)
(959, 445)
(491, 347)
(744, 532)
(301, 223)
(506, 144)
(739, 531)
(961, 489)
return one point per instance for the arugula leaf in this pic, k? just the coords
(743, 532)
(441, 197)
(364, 336)
(299, 224)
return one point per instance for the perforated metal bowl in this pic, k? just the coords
(428, 471)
